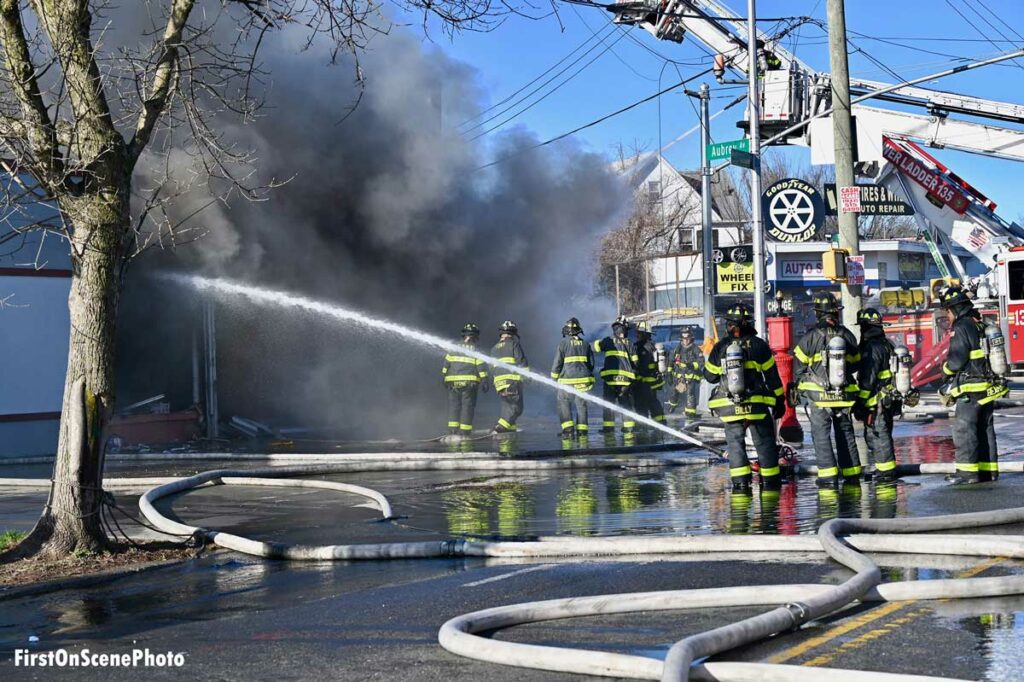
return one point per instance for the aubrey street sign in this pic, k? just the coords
(721, 150)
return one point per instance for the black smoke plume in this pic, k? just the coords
(387, 213)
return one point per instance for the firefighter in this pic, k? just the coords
(687, 368)
(574, 368)
(748, 395)
(879, 402)
(826, 362)
(649, 379)
(463, 376)
(974, 387)
(509, 385)
(618, 374)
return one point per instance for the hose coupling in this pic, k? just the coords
(799, 612)
(455, 547)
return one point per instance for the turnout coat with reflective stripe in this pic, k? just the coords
(619, 361)
(874, 374)
(967, 363)
(510, 351)
(647, 364)
(460, 370)
(760, 378)
(574, 363)
(687, 363)
(811, 372)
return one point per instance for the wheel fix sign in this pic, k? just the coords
(937, 186)
(794, 211)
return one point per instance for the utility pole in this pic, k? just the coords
(707, 230)
(757, 223)
(842, 131)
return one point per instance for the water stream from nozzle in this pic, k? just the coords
(262, 296)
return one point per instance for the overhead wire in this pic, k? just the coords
(978, 29)
(595, 122)
(542, 97)
(531, 93)
(537, 78)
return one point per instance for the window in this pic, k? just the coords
(654, 190)
(1015, 280)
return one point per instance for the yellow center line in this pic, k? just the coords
(865, 619)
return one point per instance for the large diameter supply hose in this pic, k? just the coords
(801, 602)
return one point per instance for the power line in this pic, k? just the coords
(541, 75)
(539, 99)
(595, 121)
(976, 28)
(1001, 20)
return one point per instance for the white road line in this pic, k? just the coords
(496, 578)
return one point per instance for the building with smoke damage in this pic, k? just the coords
(35, 278)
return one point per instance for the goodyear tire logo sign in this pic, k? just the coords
(793, 211)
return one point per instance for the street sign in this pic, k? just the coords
(874, 200)
(793, 211)
(738, 157)
(720, 150)
(849, 199)
(855, 270)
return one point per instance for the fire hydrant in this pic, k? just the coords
(780, 340)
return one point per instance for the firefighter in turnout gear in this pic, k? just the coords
(618, 374)
(463, 376)
(509, 385)
(827, 358)
(748, 395)
(975, 387)
(574, 368)
(687, 371)
(649, 379)
(879, 402)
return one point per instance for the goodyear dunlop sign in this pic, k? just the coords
(735, 278)
(793, 211)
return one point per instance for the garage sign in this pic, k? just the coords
(793, 209)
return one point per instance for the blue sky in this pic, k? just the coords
(521, 49)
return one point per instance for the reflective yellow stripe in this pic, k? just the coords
(554, 375)
(749, 400)
(508, 358)
(466, 427)
(779, 391)
(739, 471)
(855, 357)
(946, 370)
(579, 381)
(851, 471)
(977, 354)
(885, 466)
(770, 471)
(885, 374)
(453, 425)
(765, 366)
(567, 425)
(582, 427)
(713, 368)
(833, 403)
(616, 354)
(463, 358)
(971, 468)
(659, 418)
(740, 417)
(976, 387)
(507, 424)
(574, 358)
(608, 425)
(826, 473)
(988, 466)
(998, 394)
(507, 377)
(810, 386)
(804, 357)
(461, 377)
(617, 372)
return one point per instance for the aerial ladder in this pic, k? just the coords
(948, 210)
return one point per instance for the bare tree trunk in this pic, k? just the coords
(71, 521)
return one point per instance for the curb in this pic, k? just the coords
(110, 575)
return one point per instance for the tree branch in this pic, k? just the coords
(67, 24)
(35, 124)
(160, 87)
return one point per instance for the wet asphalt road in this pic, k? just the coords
(235, 617)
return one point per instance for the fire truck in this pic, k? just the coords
(948, 210)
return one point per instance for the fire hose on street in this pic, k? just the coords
(845, 540)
